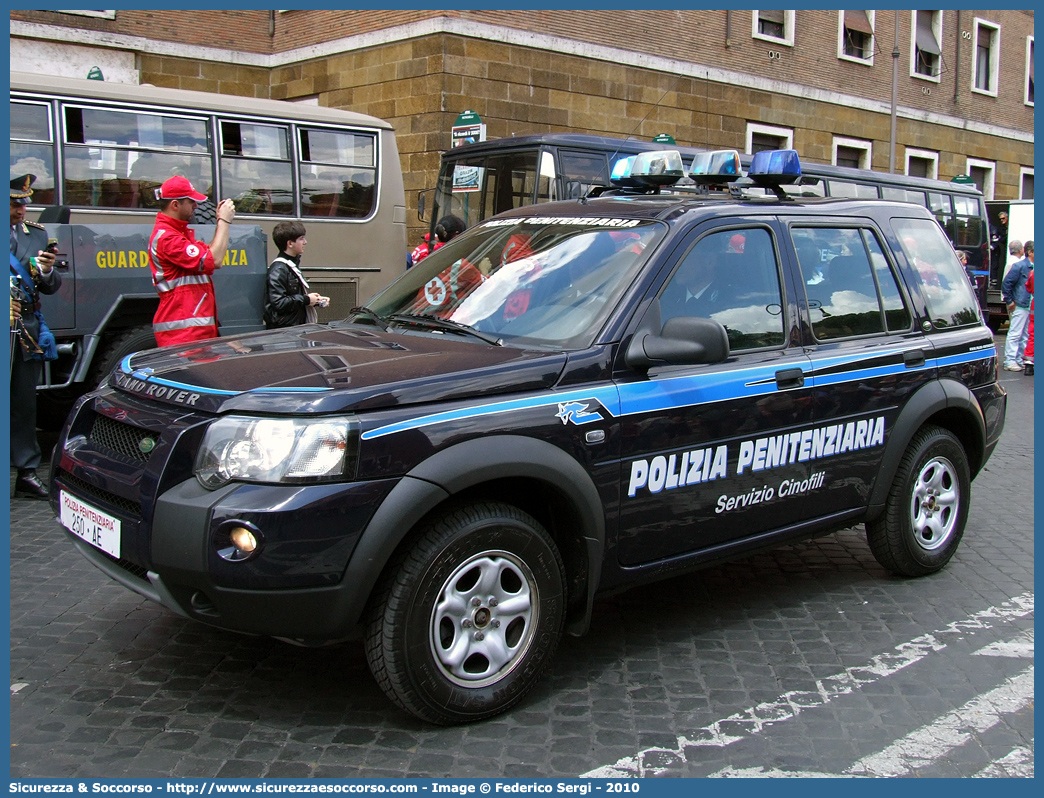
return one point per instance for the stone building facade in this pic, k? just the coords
(820, 81)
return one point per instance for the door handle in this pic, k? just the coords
(790, 378)
(913, 358)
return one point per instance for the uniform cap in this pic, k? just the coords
(179, 187)
(21, 191)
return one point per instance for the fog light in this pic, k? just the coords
(243, 539)
(237, 541)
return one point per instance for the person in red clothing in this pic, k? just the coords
(182, 266)
(448, 228)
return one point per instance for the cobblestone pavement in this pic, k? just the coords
(809, 659)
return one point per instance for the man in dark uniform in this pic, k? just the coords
(35, 276)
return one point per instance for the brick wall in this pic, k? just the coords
(421, 84)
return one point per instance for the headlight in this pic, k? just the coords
(276, 450)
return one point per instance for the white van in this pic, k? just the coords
(1020, 227)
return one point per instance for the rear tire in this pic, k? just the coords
(466, 620)
(927, 506)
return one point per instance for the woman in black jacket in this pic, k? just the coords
(287, 299)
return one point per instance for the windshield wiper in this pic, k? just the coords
(361, 310)
(436, 323)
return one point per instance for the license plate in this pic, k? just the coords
(97, 528)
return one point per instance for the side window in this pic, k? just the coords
(255, 167)
(940, 205)
(732, 277)
(842, 188)
(897, 315)
(850, 288)
(944, 282)
(338, 173)
(581, 171)
(969, 223)
(32, 148)
(116, 158)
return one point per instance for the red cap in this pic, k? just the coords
(179, 187)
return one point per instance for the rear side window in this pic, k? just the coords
(944, 282)
(732, 277)
(850, 287)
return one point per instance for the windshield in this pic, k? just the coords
(535, 282)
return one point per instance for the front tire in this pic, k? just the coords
(467, 619)
(927, 506)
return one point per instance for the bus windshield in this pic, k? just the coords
(524, 282)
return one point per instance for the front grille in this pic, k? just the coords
(123, 440)
(134, 570)
(83, 488)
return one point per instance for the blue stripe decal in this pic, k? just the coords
(687, 391)
(608, 395)
(675, 392)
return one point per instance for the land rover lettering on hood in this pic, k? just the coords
(550, 407)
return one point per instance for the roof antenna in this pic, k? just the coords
(668, 90)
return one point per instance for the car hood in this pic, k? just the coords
(330, 369)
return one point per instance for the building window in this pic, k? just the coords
(1029, 70)
(986, 51)
(774, 26)
(853, 153)
(855, 39)
(922, 163)
(926, 61)
(767, 137)
(1026, 182)
(984, 175)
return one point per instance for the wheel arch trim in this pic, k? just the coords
(938, 396)
(455, 469)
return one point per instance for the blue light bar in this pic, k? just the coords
(622, 169)
(775, 168)
(648, 169)
(717, 166)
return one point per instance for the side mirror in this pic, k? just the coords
(574, 189)
(684, 340)
(422, 203)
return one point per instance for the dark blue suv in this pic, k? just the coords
(561, 402)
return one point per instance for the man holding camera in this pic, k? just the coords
(182, 266)
(32, 274)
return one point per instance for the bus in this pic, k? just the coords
(484, 178)
(101, 149)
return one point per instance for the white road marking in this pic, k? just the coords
(1017, 765)
(753, 721)
(926, 745)
(18, 686)
(1021, 646)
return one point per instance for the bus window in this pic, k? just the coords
(115, 159)
(32, 148)
(338, 173)
(581, 171)
(940, 205)
(968, 220)
(904, 195)
(255, 167)
(840, 188)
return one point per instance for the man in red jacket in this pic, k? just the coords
(182, 266)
